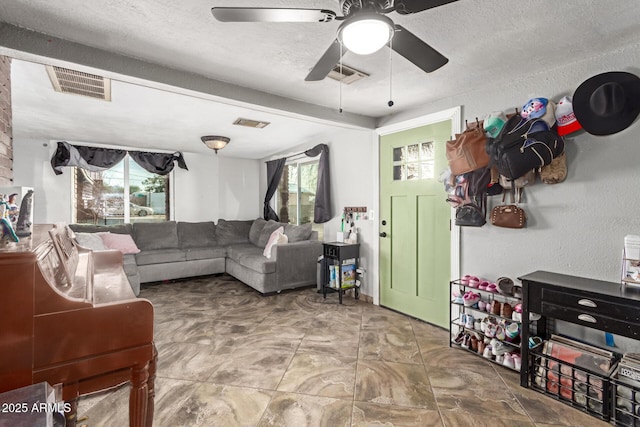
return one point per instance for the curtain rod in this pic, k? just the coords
(290, 156)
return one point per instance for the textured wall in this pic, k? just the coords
(6, 149)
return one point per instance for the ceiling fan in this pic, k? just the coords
(365, 29)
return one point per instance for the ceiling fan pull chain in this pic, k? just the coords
(390, 103)
(340, 83)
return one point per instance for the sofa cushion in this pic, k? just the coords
(129, 265)
(90, 241)
(156, 235)
(160, 256)
(256, 228)
(251, 257)
(298, 233)
(267, 231)
(122, 242)
(206, 253)
(196, 234)
(91, 228)
(230, 232)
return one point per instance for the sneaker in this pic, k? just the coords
(500, 348)
(500, 334)
(471, 299)
(506, 310)
(466, 341)
(500, 358)
(469, 322)
(477, 325)
(487, 354)
(462, 319)
(517, 361)
(458, 338)
(512, 330)
(508, 361)
(515, 316)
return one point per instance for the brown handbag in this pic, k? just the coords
(467, 152)
(509, 216)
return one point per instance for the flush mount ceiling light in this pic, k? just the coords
(365, 33)
(215, 142)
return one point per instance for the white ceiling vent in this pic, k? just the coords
(345, 74)
(77, 82)
(251, 123)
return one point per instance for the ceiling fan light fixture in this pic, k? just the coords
(365, 33)
(215, 142)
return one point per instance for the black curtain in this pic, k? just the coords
(158, 163)
(274, 173)
(322, 208)
(97, 159)
(94, 159)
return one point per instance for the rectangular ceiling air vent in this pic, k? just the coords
(345, 74)
(66, 80)
(251, 123)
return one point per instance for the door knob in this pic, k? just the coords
(383, 234)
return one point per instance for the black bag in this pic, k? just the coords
(471, 215)
(474, 212)
(523, 145)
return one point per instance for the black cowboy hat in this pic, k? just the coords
(607, 103)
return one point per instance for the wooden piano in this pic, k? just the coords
(68, 316)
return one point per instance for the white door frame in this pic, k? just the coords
(455, 115)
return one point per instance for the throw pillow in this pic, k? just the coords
(234, 231)
(277, 238)
(196, 234)
(156, 235)
(265, 234)
(122, 242)
(298, 233)
(256, 229)
(91, 241)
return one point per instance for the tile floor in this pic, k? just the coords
(231, 357)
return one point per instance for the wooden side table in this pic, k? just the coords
(336, 253)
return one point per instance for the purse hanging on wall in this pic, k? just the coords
(509, 216)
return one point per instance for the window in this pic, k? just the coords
(296, 194)
(100, 196)
(414, 161)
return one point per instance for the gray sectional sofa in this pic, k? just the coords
(174, 250)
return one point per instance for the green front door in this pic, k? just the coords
(415, 223)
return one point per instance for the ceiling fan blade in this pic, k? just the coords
(415, 50)
(405, 7)
(265, 14)
(326, 63)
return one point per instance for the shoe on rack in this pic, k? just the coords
(506, 310)
(468, 323)
(495, 307)
(508, 361)
(492, 287)
(462, 319)
(517, 361)
(517, 317)
(466, 341)
(483, 285)
(534, 342)
(470, 299)
(505, 285)
(477, 325)
(534, 316)
(500, 333)
(474, 282)
(512, 330)
(499, 348)
(458, 338)
(473, 344)
(487, 354)
(481, 346)
(465, 279)
(482, 305)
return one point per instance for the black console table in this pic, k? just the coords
(605, 306)
(337, 253)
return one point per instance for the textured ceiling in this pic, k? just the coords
(487, 42)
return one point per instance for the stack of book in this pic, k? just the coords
(576, 372)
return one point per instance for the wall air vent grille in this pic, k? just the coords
(251, 123)
(66, 80)
(346, 75)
